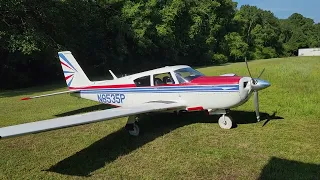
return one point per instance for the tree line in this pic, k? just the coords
(129, 36)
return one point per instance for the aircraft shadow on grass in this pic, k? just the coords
(120, 143)
(287, 169)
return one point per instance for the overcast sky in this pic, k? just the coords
(284, 8)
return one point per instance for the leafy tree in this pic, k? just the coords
(260, 30)
(298, 32)
(237, 48)
(133, 35)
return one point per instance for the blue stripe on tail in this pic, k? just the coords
(67, 72)
(69, 83)
(66, 60)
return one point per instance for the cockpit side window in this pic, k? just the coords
(142, 81)
(162, 79)
(187, 74)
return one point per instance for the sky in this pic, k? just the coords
(284, 8)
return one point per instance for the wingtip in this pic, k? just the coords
(26, 98)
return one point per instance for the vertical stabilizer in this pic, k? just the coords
(74, 75)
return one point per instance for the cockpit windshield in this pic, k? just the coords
(187, 74)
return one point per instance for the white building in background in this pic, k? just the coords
(309, 52)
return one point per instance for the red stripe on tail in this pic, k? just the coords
(67, 77)
(65, 65)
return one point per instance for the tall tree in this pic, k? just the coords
(260, 32)
(298, 32)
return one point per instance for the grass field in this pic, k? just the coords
(287, 146)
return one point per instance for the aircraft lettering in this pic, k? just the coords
(111, 98)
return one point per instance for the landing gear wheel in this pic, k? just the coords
(135, 130)
(132, 125)
(225, 122)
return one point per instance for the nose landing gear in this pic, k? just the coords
(226, 122)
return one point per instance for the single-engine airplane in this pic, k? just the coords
(171, 88)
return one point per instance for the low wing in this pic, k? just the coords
(86, 118)
(52, 94)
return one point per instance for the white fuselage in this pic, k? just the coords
(222, 96)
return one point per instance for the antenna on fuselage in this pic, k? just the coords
(114, 76)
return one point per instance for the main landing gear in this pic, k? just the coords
(132, 125)
(225, 122)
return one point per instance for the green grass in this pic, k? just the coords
(171, 147)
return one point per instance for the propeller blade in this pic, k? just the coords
(261, 73)
(256, 104)
(245, 59)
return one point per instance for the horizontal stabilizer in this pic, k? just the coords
(52, 94)
(86, 118)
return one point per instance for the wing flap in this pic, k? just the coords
(91, 117)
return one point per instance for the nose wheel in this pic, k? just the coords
(226, 122)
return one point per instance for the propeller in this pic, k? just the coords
(261, 73)
(256, 104)
(255, 90)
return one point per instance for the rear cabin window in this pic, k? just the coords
(162, 79)
(143, 81)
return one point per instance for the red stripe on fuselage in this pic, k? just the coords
(215, 80)
(204, 80)
(105, 86)
(210, 80)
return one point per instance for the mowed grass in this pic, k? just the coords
(285, 146)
